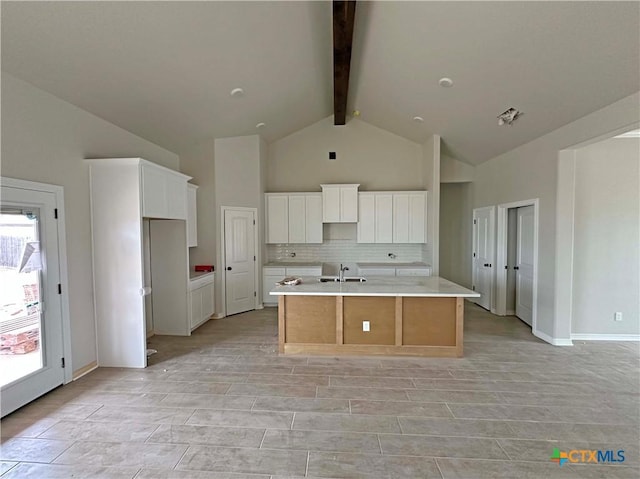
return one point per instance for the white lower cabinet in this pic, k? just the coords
(272, 274)
(201, 299)
(392, 270)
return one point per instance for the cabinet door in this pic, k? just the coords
(176, 191)
(331, 204)
(413, 272)
(154, 192)
(400, 218)
(348, 204)
(208, 303)
(195, 298)
(382, 271)
(417, 217)
(297, 222)
(192, 217)
(313, 212)
(277, 224)
(366, 229)
(268, 283)
(384, 218)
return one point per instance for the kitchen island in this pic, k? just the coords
(413, 316)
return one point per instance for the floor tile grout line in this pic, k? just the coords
(503, 449)
(379, 443)
(452, 413)
(264, 434)
(435, 459)
(184, 453)
(306, 468)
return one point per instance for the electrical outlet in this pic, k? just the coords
(617, 316)
(366, 326)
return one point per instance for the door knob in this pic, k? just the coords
(228, 268)
(486, 265)
(516, 267)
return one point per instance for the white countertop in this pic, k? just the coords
(432, 286)
(199, 274)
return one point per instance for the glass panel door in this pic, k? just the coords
(20, 301)
(31, 342)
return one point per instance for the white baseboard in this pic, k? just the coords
(85, 370)
(260, 306)
(218, 316)
(551, 340)
(510, 312)
(605, 337)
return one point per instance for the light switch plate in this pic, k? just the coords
(365, 326)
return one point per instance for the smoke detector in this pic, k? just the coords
(508, 117)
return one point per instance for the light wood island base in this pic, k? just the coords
(399, 326)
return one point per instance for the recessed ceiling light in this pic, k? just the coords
(445, 82)
(260, 125)
(237, 92)
(418, 119)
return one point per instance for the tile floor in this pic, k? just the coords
(223, 405)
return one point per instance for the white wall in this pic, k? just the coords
(45, 139)
(375, 158)
(431, 180)
(239, 181)
(198, 162)
(456, 217)
(606, 266)
(455, 171)
(530, 171)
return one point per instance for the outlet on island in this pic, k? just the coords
(366, 326)
(617, 316)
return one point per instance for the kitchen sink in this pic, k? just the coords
(336, 279)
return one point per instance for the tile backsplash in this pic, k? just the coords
(346, 250)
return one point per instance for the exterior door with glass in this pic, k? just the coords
(31, 342)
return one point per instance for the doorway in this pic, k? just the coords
(33, 308)
(240, 259)
(483, 251)
(517, 259)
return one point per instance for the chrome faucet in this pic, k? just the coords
(342, 270)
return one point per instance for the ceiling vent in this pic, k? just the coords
(509, 116)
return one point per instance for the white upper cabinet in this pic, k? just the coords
(384, 218)
(277, 218)
(375, 213)
(192, 216)
(366, 230)
(409, 217)
(297, 223)
(392, 217)
(313, 224)
(293, 218)
(164, 192)
(340, 203)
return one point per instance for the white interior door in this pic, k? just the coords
(483, 250)
(240, 260)
(524, 264)
(31, 363)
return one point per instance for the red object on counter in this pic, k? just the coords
(204, 267)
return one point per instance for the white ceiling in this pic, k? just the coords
(164, 70)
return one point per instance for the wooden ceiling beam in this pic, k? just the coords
(344, 13)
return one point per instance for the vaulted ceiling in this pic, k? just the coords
(164, 70)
